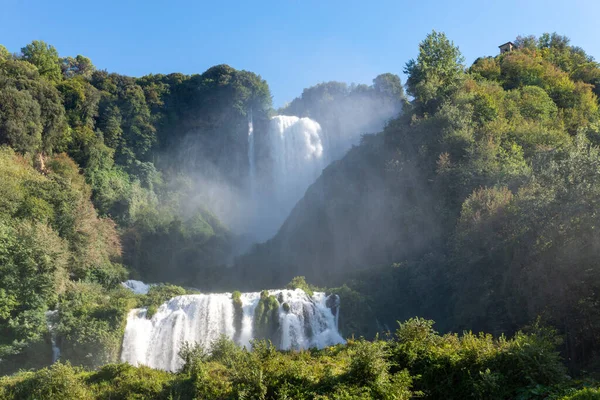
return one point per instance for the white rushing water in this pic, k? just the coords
(51, 321)
(296, 152)
(251, 155)
(137, 287)
(201, 319)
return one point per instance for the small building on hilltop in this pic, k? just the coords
(506, 47)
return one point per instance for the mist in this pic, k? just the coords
(253, 188)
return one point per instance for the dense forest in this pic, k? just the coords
(473, 207)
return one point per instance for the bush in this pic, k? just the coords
(123, 381)
(299, 282)
(476, 366)
(92, 323)
(584, 394)
(60, 381)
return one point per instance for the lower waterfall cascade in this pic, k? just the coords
(303, 321)
(51, 322)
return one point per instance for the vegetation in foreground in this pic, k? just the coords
(415, 363)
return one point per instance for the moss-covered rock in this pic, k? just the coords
(266, 317)
(238, 313)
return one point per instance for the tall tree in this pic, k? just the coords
(436, 72)
(4, 54)
(44, 57)
(78, 66)
(390, 85)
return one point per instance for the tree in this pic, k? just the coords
(4, 54)
(78, 66)
(44, 57)
(33, 261)
(30, 103)
(20, 120)
(390, 85)
(436, 72)
(80, 101)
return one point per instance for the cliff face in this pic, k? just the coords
(360, 213)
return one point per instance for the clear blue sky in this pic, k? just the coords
(293, 44)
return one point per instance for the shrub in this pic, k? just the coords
(60, 381)
(584, 394)
(299, 282)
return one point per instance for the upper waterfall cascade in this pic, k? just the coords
(297, 153)
(251, 155)
(303, 322)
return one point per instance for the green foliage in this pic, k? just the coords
(92, 323)
(364, 109)
(19, 120)
(369, 366)
(584, 394)
(389, 85)
(32, 115)
(436, 72)
(60, 381)
(266, 316)
(114, 127)
(299, 282)
(33, 263)
(44, 57)
(236, 296)
(238, 312)
(4, 53)
(416, 362)
(80, 100)
(50, 234)
(476, 366)
(78, 66)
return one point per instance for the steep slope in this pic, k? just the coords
(353, 217)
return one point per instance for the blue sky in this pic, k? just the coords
(293, 44)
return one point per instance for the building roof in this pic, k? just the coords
(502, 45)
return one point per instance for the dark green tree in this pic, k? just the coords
(437, 71)
(78, 66)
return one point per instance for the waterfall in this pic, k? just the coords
(296, 157)
(51, 321)
(249, 303)
(197, 318)
(296, 151)
(304, 322)
(137, 287)
(308, 322)
(251, 155)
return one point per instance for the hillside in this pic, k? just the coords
(475, 206)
